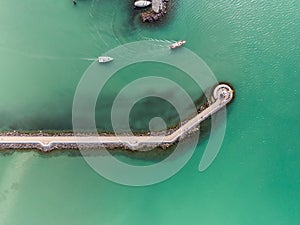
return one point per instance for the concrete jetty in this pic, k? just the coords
(222, 94)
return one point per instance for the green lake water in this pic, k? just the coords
(45, 48)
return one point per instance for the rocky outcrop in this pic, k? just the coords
(151, 16)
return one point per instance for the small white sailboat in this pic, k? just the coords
(142, 3)
(104, 59)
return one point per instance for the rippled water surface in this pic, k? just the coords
(45, 47)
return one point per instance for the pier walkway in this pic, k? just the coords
(222, 94)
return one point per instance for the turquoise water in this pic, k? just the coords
(254, 45)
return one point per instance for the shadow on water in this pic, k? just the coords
(38, 122)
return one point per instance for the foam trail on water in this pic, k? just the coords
(89, 59)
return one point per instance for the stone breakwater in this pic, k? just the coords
(222, 95)
(76, 146)
(152, 16)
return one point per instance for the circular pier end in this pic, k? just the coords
(223, 92)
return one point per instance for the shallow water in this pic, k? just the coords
(45, 48)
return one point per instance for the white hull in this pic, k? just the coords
(142, 3)
(177, 44)
(104, 59)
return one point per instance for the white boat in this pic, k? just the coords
(142, 3)
(104, 59)
(177, 44)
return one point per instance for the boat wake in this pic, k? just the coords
(89, 59)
